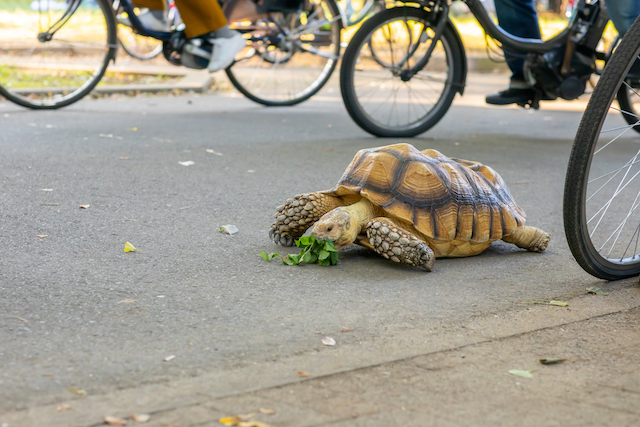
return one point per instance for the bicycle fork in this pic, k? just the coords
(440, 16)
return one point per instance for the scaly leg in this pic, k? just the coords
(397, 244)
(530, 238)
(298, 214)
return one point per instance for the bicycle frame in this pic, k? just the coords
(128, 7)
(440, 13)
(512, 42)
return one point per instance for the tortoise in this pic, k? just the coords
(411, 207)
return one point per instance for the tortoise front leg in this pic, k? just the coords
(393, 242)
(298, 214)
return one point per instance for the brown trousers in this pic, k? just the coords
(199, 16)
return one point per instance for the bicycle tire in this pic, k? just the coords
(575, 198)
(110, 53)
(454, 58)
(310, 90)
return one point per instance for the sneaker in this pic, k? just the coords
(225, 50)
(148, 20)
(511, 96)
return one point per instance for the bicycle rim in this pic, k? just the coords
(54, 73)
(290, 56)
(602, 189)
(137, 46)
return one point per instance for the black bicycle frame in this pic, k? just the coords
(510, 41)
(127, 6)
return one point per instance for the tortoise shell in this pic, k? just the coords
(443, 198)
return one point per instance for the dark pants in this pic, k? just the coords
(517, 17)
(622, 13)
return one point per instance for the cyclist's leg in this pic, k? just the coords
(519, 18)
(150, 4)
(622, 13)
(201, 16)
(206, 27)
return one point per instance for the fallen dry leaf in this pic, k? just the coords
(124, 158)
(347, 330)
(106, 135)
(188, 163)
(558, 303)
(78, 391)
(20, 318)
(141, 418)
(596, 291)
(41, 236)
(267, 411)
(128, 247)
(229, 229)
(209, 150)
(127, 301)
(328, 341)
(47, 189)
(242, 421)
(169, 358)
(521, 373)
(134, 129)
(115, 421)
(554, 361)
(63, 407)
(84, 206)
(552, 302)
(303, 374)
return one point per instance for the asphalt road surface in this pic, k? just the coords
(77, 312)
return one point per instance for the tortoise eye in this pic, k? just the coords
(329, 228)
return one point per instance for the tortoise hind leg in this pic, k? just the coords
(530, 238)
(393, 242)
(298, 214)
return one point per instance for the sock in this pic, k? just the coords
(224, 32)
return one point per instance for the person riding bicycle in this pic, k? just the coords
(518, 17)
(204, 22)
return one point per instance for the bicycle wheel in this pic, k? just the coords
(53, 53)
(138, 46)
(381, 99)
(289, 56)
(602, 188)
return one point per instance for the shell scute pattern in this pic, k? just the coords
(444, 198)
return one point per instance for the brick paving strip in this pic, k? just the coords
(444, 374)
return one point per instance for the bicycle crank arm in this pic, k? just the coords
(318, 52)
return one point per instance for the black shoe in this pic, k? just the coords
(511, 96)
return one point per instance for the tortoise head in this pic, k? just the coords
(338, 225)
